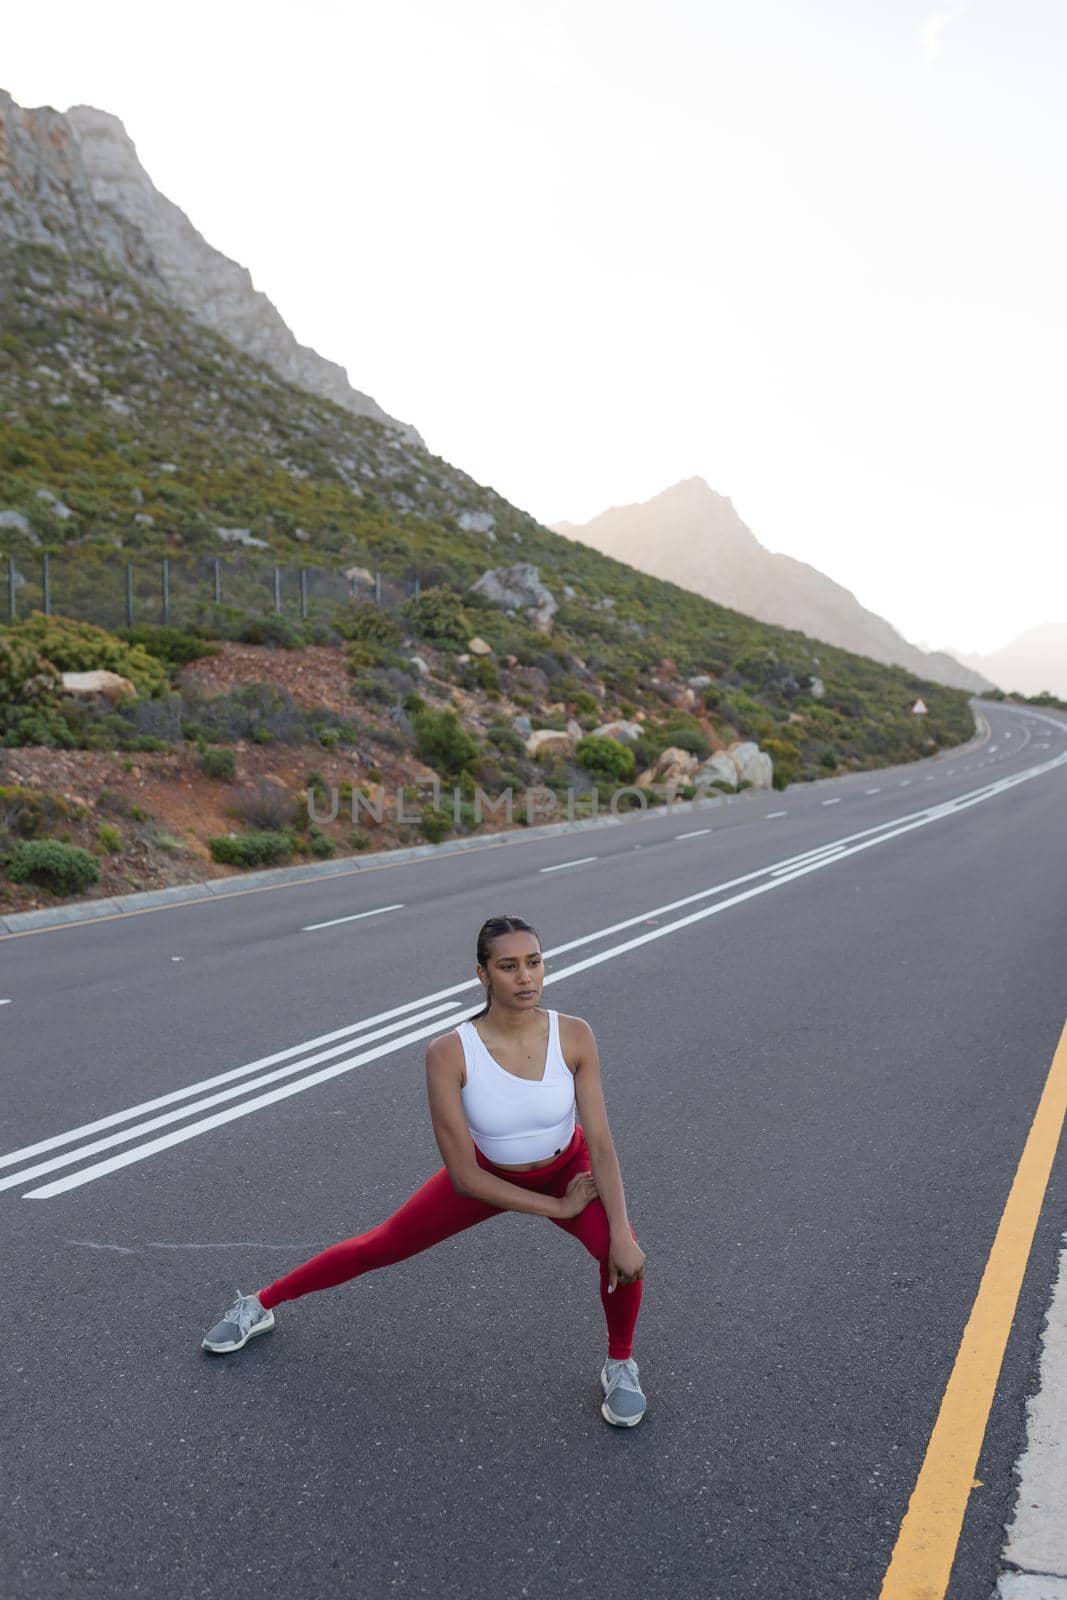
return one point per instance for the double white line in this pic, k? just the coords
(417, 1019)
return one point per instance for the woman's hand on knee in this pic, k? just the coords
(577, 1195)
(626, 1262)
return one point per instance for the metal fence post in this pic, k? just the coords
(166, 589)
(218, 580)
(45, 586)
(378, 588)
(11, 588)
(129, 594)
(303, 592)
(277, 588)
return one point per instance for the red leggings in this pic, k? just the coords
(436, 1212)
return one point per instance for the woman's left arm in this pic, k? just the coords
(627, 1257)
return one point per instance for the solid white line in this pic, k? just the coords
(696, 833)
(5, 1002)
(167, 1117)
(224, 1077)
(561, 864)
(905, 825)
(356, 915)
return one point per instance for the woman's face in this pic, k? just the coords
(515, 971)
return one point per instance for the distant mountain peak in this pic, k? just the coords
(691, 535)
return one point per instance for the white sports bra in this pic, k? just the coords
(514, 1120)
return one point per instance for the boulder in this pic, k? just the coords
(672, 766)
(522, 725)
(753, 765)
(701, 681)
(359, 575)
(240, 536)
(15, 521)
(476, 521)
(54, 504)
(478, 647)
(547, 741)
(420, 664)
(717, 769)
(574, 728)
(87, 685)
(624, 732)
(519, 586)
(816, 688)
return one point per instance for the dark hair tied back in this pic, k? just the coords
(488, 934)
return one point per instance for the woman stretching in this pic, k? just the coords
(503, 1099)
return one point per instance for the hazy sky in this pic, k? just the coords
(814, 252)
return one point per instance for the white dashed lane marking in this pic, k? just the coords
(561, 864)
(334, 921)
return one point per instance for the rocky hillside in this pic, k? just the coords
(73, 181)
(493, 653)
(694, 537)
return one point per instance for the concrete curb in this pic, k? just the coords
(308, 872)
(219, 888)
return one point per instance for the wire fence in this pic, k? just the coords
(186, 592)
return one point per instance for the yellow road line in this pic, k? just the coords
(929, 1534)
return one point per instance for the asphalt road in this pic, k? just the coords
(820, 1078)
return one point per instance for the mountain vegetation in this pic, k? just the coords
(130, 433)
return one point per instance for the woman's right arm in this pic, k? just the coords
(444, 1078)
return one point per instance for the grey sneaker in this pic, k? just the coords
(245, 1318)
(624, 1403)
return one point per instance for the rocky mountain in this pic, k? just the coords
(1032, 663)
(74, 181)
(694, 537)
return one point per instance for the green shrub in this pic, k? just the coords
(81, 647)
(319, 843)
(368, 622)
(219, 763)
(439, 617)
(109, 838)
(481, 674)
(257, 848)
(786, 757)
(63, 868)
(605, 759)
(363, 654)
(507, 741)
(172, 646)
(442, 741)
(273, 630)
(24, 675)
(29, 812)
(435, 824)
